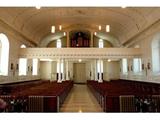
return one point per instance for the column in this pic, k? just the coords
(129, 62)
(63, 71)
(91, 42)
(29, 65)
(144, 68)
(68, 40)
(59, 72)
(96, 77)
(90, 71)
(148, 69)
(92, 75)
(100, 72)
(67, 70)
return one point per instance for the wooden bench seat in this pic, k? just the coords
(50, 95)
(108, 93)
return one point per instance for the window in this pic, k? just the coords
(124, 65)
(156, 54)
(35, 67)
(4, 54)
(59, 44)
(23, 64)
(101, 44)
(137, 65)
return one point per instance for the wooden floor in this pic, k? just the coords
(80, 99)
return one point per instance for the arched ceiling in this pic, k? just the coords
(36, 24)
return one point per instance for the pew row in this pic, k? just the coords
(124, 96)
(46, 97)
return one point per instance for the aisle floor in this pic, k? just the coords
(80, 99)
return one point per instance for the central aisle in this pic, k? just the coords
(80, 99)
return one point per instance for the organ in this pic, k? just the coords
(79, 39)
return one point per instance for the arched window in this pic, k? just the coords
(4, 54)
(101, 44)
(59, 44)
(156, 54)
(124, 66)
(22, 64)
(35, 67)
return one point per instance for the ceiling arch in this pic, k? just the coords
(35, 24)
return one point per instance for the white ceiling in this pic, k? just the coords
(36, 24)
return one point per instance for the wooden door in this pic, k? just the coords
(79, 74)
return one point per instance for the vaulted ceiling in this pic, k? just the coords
(36, 24)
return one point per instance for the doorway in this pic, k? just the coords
(79, 73)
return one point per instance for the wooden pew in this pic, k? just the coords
(109, 94)
(46, 97)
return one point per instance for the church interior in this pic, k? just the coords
(80, 59)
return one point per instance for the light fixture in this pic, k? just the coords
(95, 33)
(64, 33)
(38, 7)
(60, 27)
(80, 111)
(53, 29)
(107, 28)
(80, 60)
(100, 27)
(109, 60)
(123, 6)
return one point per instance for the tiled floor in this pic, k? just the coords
(80, 99)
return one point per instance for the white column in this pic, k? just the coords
(90, 71)
(100, 72)
(129, 63)
(148, 70)
(92, 75)
(96, 77)
(59, 72)
(63, 73)
(67, 70)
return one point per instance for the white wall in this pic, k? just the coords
(45, 70)
(88, 70)
(48, 70)
(71, 70)
(111, 70)
(144, 40)
(53, 70)
(15, 41)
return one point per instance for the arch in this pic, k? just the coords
(51, 37)
(4, 54)
(23, 46)
(155, 46)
